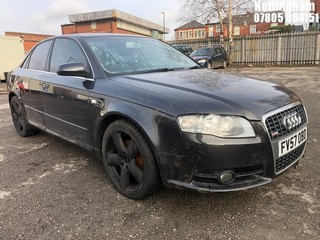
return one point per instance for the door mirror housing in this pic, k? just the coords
(72, 69)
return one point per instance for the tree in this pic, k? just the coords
(221, 10)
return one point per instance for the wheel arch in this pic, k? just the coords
(13, 94)
(17, 95)
(115, 116)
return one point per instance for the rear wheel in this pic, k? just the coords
(224, 64)
(129, 160)
(23, 128)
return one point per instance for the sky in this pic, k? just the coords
(46, 16)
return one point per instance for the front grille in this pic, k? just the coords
(274, 122)
(285, 161)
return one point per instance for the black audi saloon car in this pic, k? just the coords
(154, 116)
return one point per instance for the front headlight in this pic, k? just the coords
(220, 126)
(202, 61)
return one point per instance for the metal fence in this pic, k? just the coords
(275, 49)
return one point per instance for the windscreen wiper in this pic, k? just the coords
(196, 67)
(165, 69)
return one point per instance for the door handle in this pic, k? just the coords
(96, 102)
(45, 87)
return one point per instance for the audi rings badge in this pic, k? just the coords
(291, 121)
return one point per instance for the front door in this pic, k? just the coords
(66, 98)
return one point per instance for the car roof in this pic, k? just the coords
(212, 46)
(204, 47)
(180, 45)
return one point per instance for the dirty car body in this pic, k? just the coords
(157, 121)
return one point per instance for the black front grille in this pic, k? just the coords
(274, 122)
(289, 158)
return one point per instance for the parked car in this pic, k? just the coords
(186, 49)
(211, 57)
(155, 116)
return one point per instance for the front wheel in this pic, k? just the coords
(209, 65)
(129, 160)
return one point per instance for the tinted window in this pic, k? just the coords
(39, 56)
(25, 64)
(218, 50)
(67, 51)
(202, 52)
(214, 51)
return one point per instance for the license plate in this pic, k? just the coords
(292, 142)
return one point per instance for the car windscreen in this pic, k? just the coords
(129, 55)
(201, 52)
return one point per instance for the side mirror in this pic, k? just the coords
(72, 69)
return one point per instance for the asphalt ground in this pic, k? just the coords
(3, 87)
(50, 189)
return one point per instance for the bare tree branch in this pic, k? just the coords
(216, 10)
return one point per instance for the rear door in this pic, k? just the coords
(218, 57)
(66, 98)
(29, 83)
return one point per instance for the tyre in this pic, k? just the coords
(129, 160)
(224, 64)
(20, 122)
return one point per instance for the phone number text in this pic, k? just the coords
(289, 17)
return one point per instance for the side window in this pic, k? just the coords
(219, 51)
(25, 63)
(66, 51)
(39, 56)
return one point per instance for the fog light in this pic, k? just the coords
(226, 177)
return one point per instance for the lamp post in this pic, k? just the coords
(164, 25)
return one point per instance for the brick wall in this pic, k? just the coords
(105, 26)
(68, 29)
(317, 5)
(261, 28)
(29, 39)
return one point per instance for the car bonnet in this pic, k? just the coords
(205, 91)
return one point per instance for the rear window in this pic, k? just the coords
(202, 52)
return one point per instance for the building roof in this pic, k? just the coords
(115, 14)
(191, 25)
(27, 35)
(243, 19)
(214, 23)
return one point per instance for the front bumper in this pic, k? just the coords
(209, 187)
(253, 161)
